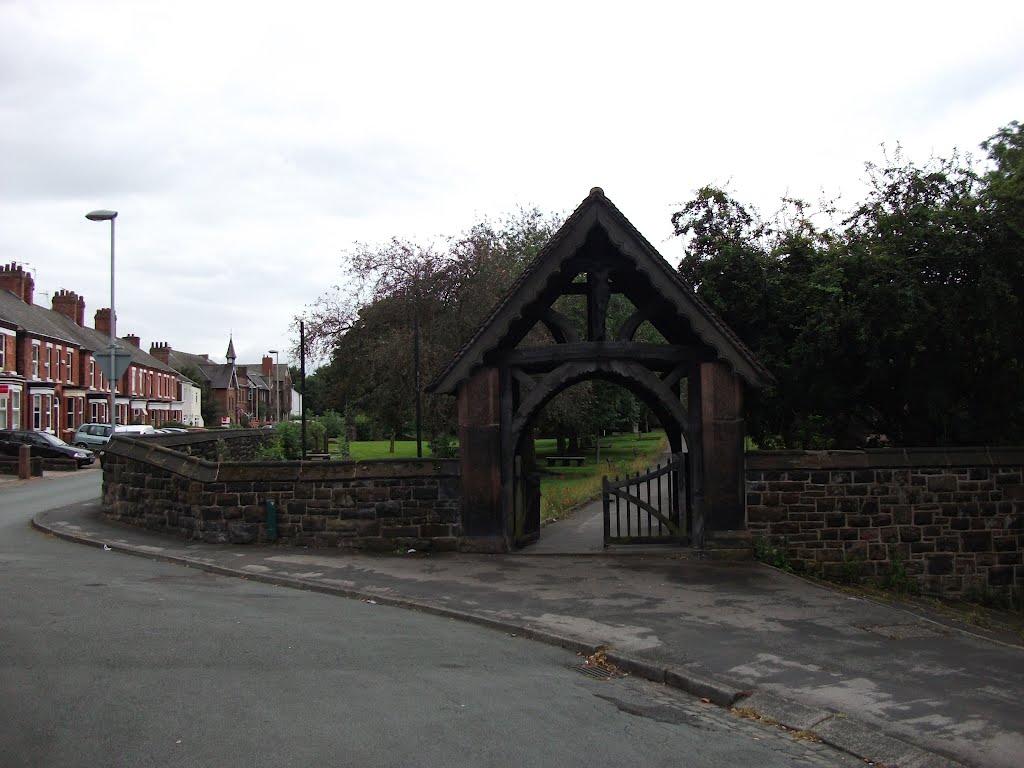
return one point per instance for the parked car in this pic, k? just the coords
(91, 436)
(43, 444)
(98, 435)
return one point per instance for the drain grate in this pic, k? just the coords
(591, 670)
(901, 631)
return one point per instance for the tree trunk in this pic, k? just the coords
(391, 447)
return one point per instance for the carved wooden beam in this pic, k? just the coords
(559, 326)
(672, 378)
(523, 378)
(597, 304)
(634, 376)
(660, 357)
(634, 321)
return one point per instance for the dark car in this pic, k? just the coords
(43, 444)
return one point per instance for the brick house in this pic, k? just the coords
(40, 359)
(49, 379)
(243, 392)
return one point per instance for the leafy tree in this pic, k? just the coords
(209, 408)
(369, 329)
(901, 324)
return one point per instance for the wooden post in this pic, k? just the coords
(723, 432)
(695, 446)
(480, 455)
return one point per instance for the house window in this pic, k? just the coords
(92, 374)
(3, 411)
(16, 410)
(37, 411)
(3, 351)
(71, 413)
(49, 365)
(35, 361)
(55, 422)
(70, 367)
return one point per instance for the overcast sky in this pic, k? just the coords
(246, 145)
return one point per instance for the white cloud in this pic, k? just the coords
(246, 145)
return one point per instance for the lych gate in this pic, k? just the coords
(508, 371)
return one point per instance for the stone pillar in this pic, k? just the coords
(723, 433)
(24, 462)
(479, 405)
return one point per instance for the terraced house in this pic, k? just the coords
(49, 378)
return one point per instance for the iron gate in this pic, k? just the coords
(647, 508)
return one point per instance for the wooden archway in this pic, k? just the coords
(509, 369)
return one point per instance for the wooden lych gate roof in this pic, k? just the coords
(598, 239)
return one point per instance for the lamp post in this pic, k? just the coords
(277, 391)
(104, 215)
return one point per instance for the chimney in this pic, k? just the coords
(101, 321)
(268, 365)
(134, 340)
(69, 304)
(15, 279)
(161, 350)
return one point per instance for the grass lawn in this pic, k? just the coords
(562, 488)
(378, 449)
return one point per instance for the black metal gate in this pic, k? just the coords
(647, 508)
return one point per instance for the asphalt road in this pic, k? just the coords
(109, 660)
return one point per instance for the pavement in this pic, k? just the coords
(894, 686)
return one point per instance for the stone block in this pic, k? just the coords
(765, 514)
(976, 541)
(910, 533)
(1000, 576)
(1004, 543)
(242, 533)
(388, 509)
(399, 531)
(435, 530)
(924, 516)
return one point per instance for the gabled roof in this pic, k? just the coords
(201, 363)
(33, 319)
(598, 212)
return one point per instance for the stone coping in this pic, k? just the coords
(201, 470)
(887, 458)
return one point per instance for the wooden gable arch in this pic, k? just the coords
(508, 370)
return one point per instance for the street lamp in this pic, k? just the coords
(103, 215)
(277, 390)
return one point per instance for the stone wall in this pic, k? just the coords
(379, 506)
(9, 466)
(954, 519)
(217, 445)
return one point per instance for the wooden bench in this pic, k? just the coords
(565, 461)
(318, 456)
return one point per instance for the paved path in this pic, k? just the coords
(888, 685)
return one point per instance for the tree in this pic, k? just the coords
(903, 324)
(369, 328)
(209, 408)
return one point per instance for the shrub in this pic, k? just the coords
(443, 446)
(334, 423)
